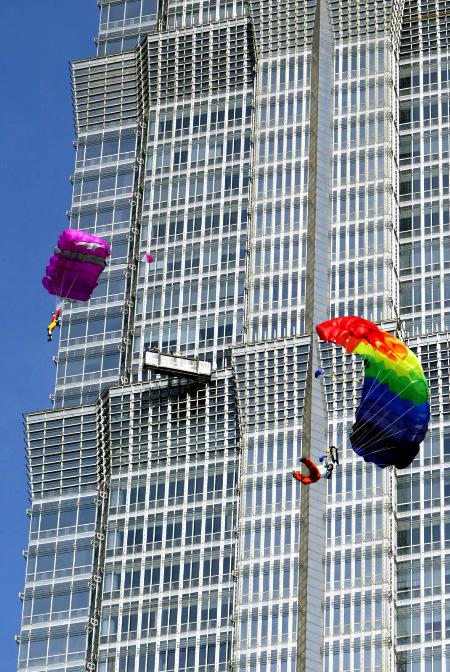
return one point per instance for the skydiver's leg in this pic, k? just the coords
(50, 328)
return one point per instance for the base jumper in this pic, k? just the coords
(327, 462)
(54, 322)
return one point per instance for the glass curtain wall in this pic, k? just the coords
(360, 571)
(423, 534)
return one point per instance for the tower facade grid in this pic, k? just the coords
(284, 162)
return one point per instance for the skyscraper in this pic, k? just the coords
(283, 162)
(386, 570)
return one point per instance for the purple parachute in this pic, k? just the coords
(76, 265)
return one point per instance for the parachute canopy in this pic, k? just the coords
(148, 257)
(76, 264)
(393, 415)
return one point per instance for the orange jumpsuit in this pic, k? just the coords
(314, 473)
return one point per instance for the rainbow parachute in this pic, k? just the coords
(393, 415)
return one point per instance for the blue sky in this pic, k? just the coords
(40, 37)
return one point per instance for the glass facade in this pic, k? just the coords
(169, 547)
(283, 162)
(62, 466)
(271, 416)
(196, 192)
(423, 541)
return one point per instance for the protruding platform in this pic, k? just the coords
(177, 365)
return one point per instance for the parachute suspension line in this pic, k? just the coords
(339, 439)
(382, 431)
(73, 282)
(381, 414)
(377, 381)
(71, 286)
(340, 434)
(374, 381)
(380, 450)
(60, 286)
